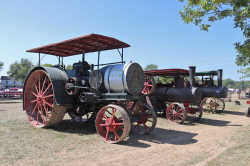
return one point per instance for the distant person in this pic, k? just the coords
(238, 93)
(186, 83)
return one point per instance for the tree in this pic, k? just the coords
(160, 79)
(18, 71)
(69, 67)
(151, 67)
(1, 65)
(204, 12)
(229, 83)
(47, 65)
(245, 73)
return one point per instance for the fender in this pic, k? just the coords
(58, 78)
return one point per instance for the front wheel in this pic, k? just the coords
(195, 112)
(220, 105)
(176, 113)
(145, 118)
(208, 104)
(113, 123)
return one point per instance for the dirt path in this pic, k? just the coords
(169, 144)
(177, 145)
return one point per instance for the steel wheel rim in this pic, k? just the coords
(220, 105)
(175, 113)
(39, 98)
(195, 112)
(145, 119)
(111, 124)
(208, 104)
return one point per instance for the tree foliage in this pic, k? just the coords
(245, 73)
(47, 65)
(236, 84)
(151, 67)
(229, 83)
(159, 79)
(1, 65)
(204, 12)
(19, 70)
(69, 67)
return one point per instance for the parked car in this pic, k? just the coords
(15, 92)
(6, 92)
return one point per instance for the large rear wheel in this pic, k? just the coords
(39, 100)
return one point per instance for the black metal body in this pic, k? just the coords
(217, 92)
(83, 98)
(183, 95)
(209, 89)
(87, 99)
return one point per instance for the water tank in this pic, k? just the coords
(121, 78)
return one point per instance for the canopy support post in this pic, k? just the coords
(39, 59)
(59, 58)
(83, 56)
(122, 55)
(62, 61)
(98, 67)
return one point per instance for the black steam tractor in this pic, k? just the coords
(172, 95)
(101, 91)
(212, 94)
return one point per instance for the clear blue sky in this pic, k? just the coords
(154, 30)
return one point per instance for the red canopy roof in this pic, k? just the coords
(88, 43)
(166, 72)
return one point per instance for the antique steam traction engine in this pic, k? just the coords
(173, 99)
(100, 92)
(212, 95)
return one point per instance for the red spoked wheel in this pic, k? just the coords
(176, 113)
(220, 105)
(208, 104)
(113, 123)
(194, 111)
(149, 86)
(144, 119)
(39, 100)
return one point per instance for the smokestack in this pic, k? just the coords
(191, 75)
(219, 77)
